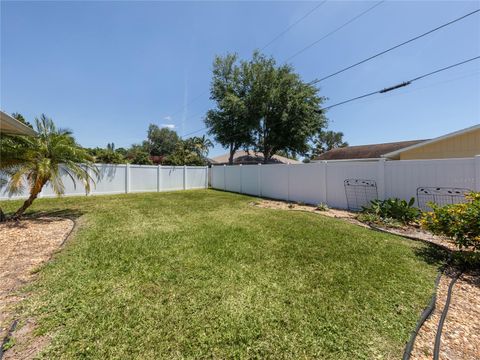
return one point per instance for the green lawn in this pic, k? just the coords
(203, 274)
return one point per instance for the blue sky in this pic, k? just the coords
(108, 69)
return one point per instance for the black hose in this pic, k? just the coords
(7, 338)
(424, 316)
(438, 337)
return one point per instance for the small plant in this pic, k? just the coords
(395, 209)
(291, 206)
(461, 222)
(322, 207)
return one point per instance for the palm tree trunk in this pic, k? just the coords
(2, 216)
(33, 195)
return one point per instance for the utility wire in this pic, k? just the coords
(395, 47)
(382, 91)
(264, 47)
(291, 26)
(335, 30)
(403, 84)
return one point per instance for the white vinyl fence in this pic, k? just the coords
(120, 179)
(324, 182)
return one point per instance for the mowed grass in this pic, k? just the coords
(203, 274)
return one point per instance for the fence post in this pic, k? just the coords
(159, 177)
(259, 179)
(381, 179)
(207, 173)
(477, 172)
(323, 189)
(127, 179)
(288, 181)
(184, 177)
(241, 192)
(224, 177)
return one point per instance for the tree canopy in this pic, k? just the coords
(262, 106)
(326, 141)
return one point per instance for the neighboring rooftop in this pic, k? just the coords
(248, 158)
(372, 151)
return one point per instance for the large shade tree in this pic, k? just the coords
(230, 123)
(263, 106)
(44, 159)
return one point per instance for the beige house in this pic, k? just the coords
(459, 144)
(10, 125)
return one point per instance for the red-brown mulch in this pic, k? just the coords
(25, 245)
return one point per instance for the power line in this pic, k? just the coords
(335, 30)
(403, 84)
(395, 47)
(382, 91)
(291, 26)
(264, 47)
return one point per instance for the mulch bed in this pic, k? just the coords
(25, 245)
(461, 331)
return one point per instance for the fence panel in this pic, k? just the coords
(232, 178)
(306, 182)
(218, 177)
(112, 179)
(118, 179)
(402, 178)
(196, 177)
(338, 172)
(143, 178)
(250, 180)
(171, 178)
(324, 181)
(274, 181)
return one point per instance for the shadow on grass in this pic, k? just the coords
(44, 217)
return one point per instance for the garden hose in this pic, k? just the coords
(438, 337)
(7, 338)
(425, 315)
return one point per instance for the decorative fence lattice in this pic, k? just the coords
(440, 196)
(360, 192)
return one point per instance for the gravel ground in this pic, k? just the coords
(461, 331)
(25, 246)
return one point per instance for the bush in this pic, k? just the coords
(461, 222)
(393, 208)
(322, 207)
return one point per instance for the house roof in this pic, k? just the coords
(372, 151)
(395, 154)
(244, 157)
(10, 125)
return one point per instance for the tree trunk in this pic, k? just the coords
(232, 154)
(2, 216)
(33, 195)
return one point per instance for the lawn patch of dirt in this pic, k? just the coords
(25, 245)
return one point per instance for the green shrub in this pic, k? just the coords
(461, 222)
(393, 208)
(322, 207)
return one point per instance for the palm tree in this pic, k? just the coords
(43, 159)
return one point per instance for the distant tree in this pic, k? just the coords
(36, 160)
(138, 155)
(192, 151)
(288, 154)
(160, 141)
(326, 141)
(109, 155)
(230, 123)
(20, 118)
